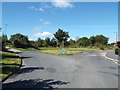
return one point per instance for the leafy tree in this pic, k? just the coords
(84, 41)
(118, 44)
(72, 43)
(92, 40)
(3, 41)
(101, 39)
(40, 42)
(19, 40)
(61, 36)
(47, 42)
(53, 42)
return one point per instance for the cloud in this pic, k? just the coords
(30, 39)
(37, 28)
(39, 9)
(61, 3)
(43, 34)
(46, 22)
(111, 41)
(31, 7)
(41, 20)
(36, 9)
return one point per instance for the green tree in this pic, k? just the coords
(72, 43)
(92, 40)
(101, 39)
(19, 40)
(61, 36)
(3, 41)
(84, 41)
(53, 42)
(47, 42)
(118, 44)
(40, 42)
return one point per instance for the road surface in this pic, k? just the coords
(87, 70)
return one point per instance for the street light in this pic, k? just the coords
(116, 35)
(5, 28)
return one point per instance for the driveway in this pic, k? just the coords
(86, 70)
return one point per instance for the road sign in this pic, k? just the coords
(63, 51)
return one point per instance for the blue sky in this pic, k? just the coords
(42, 19)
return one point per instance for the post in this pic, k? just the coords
(116, 36)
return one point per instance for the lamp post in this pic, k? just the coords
(5, 32)
(116, 36)
(5, 28)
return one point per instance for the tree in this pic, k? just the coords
(19, 40)
(40, 42)
(53, 42)
(72, 43)
(61, 36)
(118, 44)
(101, 39)
(3, 41)
(92, 40)
(84, 41)
(47, 42)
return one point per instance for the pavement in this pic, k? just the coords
(13, 50)
(111, 54)
(86, 70)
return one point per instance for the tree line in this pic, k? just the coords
(60, 40)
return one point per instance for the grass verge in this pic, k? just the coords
(9, 62)
(95, 49)
(23, 49)
(58, 52)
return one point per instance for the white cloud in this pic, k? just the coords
(30, 39)
(43, 34)
(41, 20)
(37, 28)
(111, 41)
(61, 3)
(36, 9)
(46, 22)
(39, 9)
(31, 7)
(72, 39)
(47, 6)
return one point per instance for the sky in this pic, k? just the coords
(43, 19)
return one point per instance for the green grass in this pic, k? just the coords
(82, 48)
(10, 61)
(48, 48)
(55, 48)
(22, 49)
(58, 52)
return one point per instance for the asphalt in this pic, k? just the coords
(86, 70)
(111, 54)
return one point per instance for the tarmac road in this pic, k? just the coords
(86, 70)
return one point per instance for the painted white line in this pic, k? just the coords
(111, 59)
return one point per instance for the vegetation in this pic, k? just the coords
(19, 41)
(3, 42)
(58, 52)
(60, 40)
(118, 44)
(61, 37)
(8, 63)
